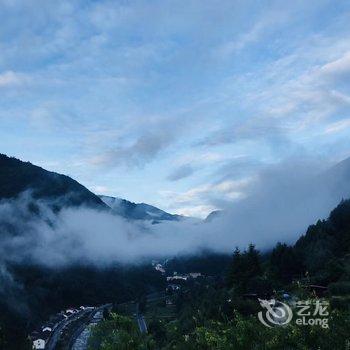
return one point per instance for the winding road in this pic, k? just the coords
(57, 332)
(78, 327)
(82, 338)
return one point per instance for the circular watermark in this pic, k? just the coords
(276, 313)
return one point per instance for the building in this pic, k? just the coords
(160, 268)
(70, 312)
(40, 339)
(39, 343)
(194, 274)
(176, 278)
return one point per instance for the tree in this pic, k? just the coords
(118, 333)
(235, 271)
(252, 262)
(284, 263)
(244, 267)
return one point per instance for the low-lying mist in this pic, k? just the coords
(279, 205)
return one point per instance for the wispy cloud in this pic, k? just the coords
(115, 88)
(10, 78)
(339, 68)
(203, 199)
(338, 126)
(181, 172)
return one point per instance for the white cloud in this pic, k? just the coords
(102, 71)
(195, 211)
(203, 199)
(337, 126)
(10, 78)
(98, 189)
(337, 68)
(286, 199)
(268, 23)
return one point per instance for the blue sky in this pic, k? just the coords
(174, 103)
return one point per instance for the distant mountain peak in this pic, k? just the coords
(137, 211)
(213, 215)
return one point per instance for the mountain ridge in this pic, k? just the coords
(17, 176)
(138, 211)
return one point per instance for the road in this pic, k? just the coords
(142, 323)
(55, 336)
(140, 320)
(78, 340)
(81, 336)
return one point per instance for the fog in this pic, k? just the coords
(279, 205)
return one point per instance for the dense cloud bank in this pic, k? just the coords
(279, 205)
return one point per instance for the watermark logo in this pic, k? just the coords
(306, 313)
(312, 313)
(276, 314)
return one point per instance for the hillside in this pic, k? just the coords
(209, 313)
(325, 247)
(17, 176)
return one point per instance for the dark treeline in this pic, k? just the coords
(321, 256)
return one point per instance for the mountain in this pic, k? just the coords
(326, 241)
(17, 176)
(324, 190)
(338, 177)
(213, 215)
(138, 211)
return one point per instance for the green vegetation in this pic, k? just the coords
(118, 333)
(209, 315)
(206, 320)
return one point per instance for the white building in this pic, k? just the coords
(39, 344)
(70, 312)
(160, 268)
(176, 277)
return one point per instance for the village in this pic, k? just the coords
(41, 337)
(61, 329)
(54, 333)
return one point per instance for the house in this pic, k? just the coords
(176, 277)
(39, 343)
(70, 312)
(40, 339)
(160, 268)
(192, 275)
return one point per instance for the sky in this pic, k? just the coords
(176, 104)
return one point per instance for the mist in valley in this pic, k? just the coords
(279, 205)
